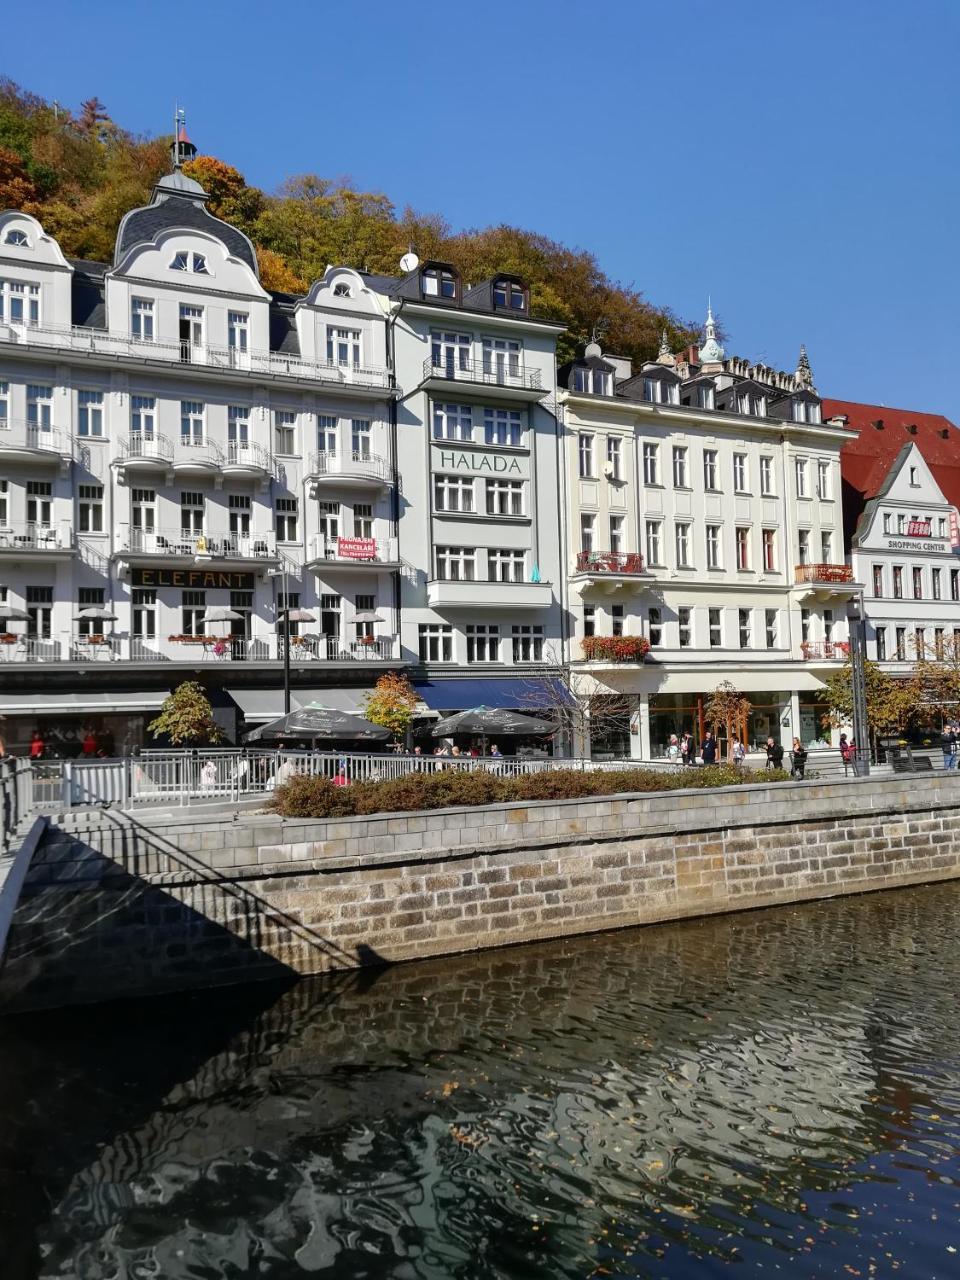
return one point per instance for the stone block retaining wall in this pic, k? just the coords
(118, 904)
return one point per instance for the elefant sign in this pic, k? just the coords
(194, 579)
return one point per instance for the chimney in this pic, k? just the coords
(912, 428)
(878, 423)
(945, 432)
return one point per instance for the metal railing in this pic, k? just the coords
(145, 447)
(37, 537)
(354, 464)
(506, 373)
(83, 340)
(253, 457)
(15, 433)
(206, 452)
(16, 797)
(24, 648)
(180, 542)
(352, 551)
(609, 562)
(835, 650)
(218, 646)
(823, 573)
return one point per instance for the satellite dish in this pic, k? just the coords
(409, 262)
(592, 351)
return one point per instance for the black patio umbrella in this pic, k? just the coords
(489, 721)
(319, 722)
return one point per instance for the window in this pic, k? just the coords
(437, 282)
(191, 513)
(89, 413)
(941, 526)
(935, 583)
(614, 457)
(800, 465)
(683, 619)
(450, 352)
(200, 264)
(364, 604)
(716, 636)
(502, 426)
(653, 542)
(286, 519)
(920, 641)
(828, 625)
(823, 479)
(589, 620)
(483, 642)
(655, 626)
(237, 331)
(914, 482)
(881, 643)
(39, 502)
(878, 581)
(451, 493)
(769, 549)
(142, 513)
(360, 436)
(588, 523)
(713, 546)
(704, 396)
(141, 319)
(585, 445)
(955, 584)
(770, 627)
(682, 538)
(191, 331)
(287, 600)
(284, 431)
(616, 533)
(528, 644)
(326, 433)
(651, 463)
(193, 605)
(144, 601)
(180, 262)
(938, 642)
(191, 423)
(826, 546)
(743, 547)
(343, 346)
(143, 416)
(19, 303)
(740, 473)
(452, 422)
(766, 476)
(679, 466)
(40, 407)
(901, 644)
(363, 521)
(710, 470)
(506, 293)
(917, 583)
(506, 566)
(90, 598)
(456, 564)
(897, 582)
(803, 546)
(40, 608)
(886, 522)
(239, 515)
(616, 619)
(16, 237)
(238, 427)
(4, 511)
(342, 291)
(328, 514)
(4, 402)
(501, 358)
(743, 626)
(599, 381)
(436, 642)
(90, 508)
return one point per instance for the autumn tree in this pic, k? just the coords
(935, 681)
(230, 197)
(16, 187)
(392, 704)
(728, 709)
(890, 702)
(186, 718)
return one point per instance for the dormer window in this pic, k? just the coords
(438, 282)
(806, 411)
(182, 261)
(752, 406)
(593, 381)
(704, 397)
(18, 238)
(507, 293)
(341, 291)
(200, 264)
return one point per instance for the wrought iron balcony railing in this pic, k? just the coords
(823, 573)
(621, 562)
(493, 373)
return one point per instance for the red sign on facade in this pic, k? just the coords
(357, 548)
(918, 528)
(954, 530)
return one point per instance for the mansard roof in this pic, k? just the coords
(172, 210)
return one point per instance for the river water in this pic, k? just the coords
(769, 1093)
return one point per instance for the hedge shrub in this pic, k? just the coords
(305, 797)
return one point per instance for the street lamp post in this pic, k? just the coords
(858, 680)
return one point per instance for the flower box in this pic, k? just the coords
(615, 648)
(8, 638)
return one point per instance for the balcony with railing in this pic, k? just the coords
(824, 580)
(824, 650)
(144, 451)
(197, 457)
(53, 541)
(247, 459)
(193, 650)
(358, 554)
(445, 593)
(352, 469)
(609, 569)
(22, 441)
(100, 343)
(212, 550)
(505, 379)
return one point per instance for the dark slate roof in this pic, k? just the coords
(170, 211)
(87, 293)
(565, 372)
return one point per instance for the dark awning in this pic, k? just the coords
(518, 694)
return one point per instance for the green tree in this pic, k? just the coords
(392, 704)
(890, 702)
(186, 718)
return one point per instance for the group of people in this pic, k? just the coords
(682, 751)
(39, 749)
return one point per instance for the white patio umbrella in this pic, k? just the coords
(300, 615)
(367, 615)
(221, 615)
(9, 614)
(96, 611)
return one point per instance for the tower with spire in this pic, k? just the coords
(182, 149)
(803, 378)
(711, 353)
(665, 355)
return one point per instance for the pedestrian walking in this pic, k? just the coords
(686, 749)
(774, 754)
(708, 749)
(799, 759)
(673, 749)
(37, 746)
(948, 744)
(739, 754)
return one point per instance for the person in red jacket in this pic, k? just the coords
(89, 744)
(37, 746)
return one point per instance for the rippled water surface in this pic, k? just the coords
(772, 1093)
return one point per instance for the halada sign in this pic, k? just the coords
(495, 463)
(194, 579)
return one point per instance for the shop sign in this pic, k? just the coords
(501, 464)
(194, 579)
(357, 548)
(918, 528)
(903, 544)
(954, 530)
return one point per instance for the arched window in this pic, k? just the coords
(16, 237)
(437, 282)
(341, 291)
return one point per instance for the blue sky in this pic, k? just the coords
(797, 162)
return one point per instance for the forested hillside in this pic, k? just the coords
(79, 172)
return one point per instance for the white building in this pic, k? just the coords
(704, 503)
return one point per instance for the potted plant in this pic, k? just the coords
(615, 648)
